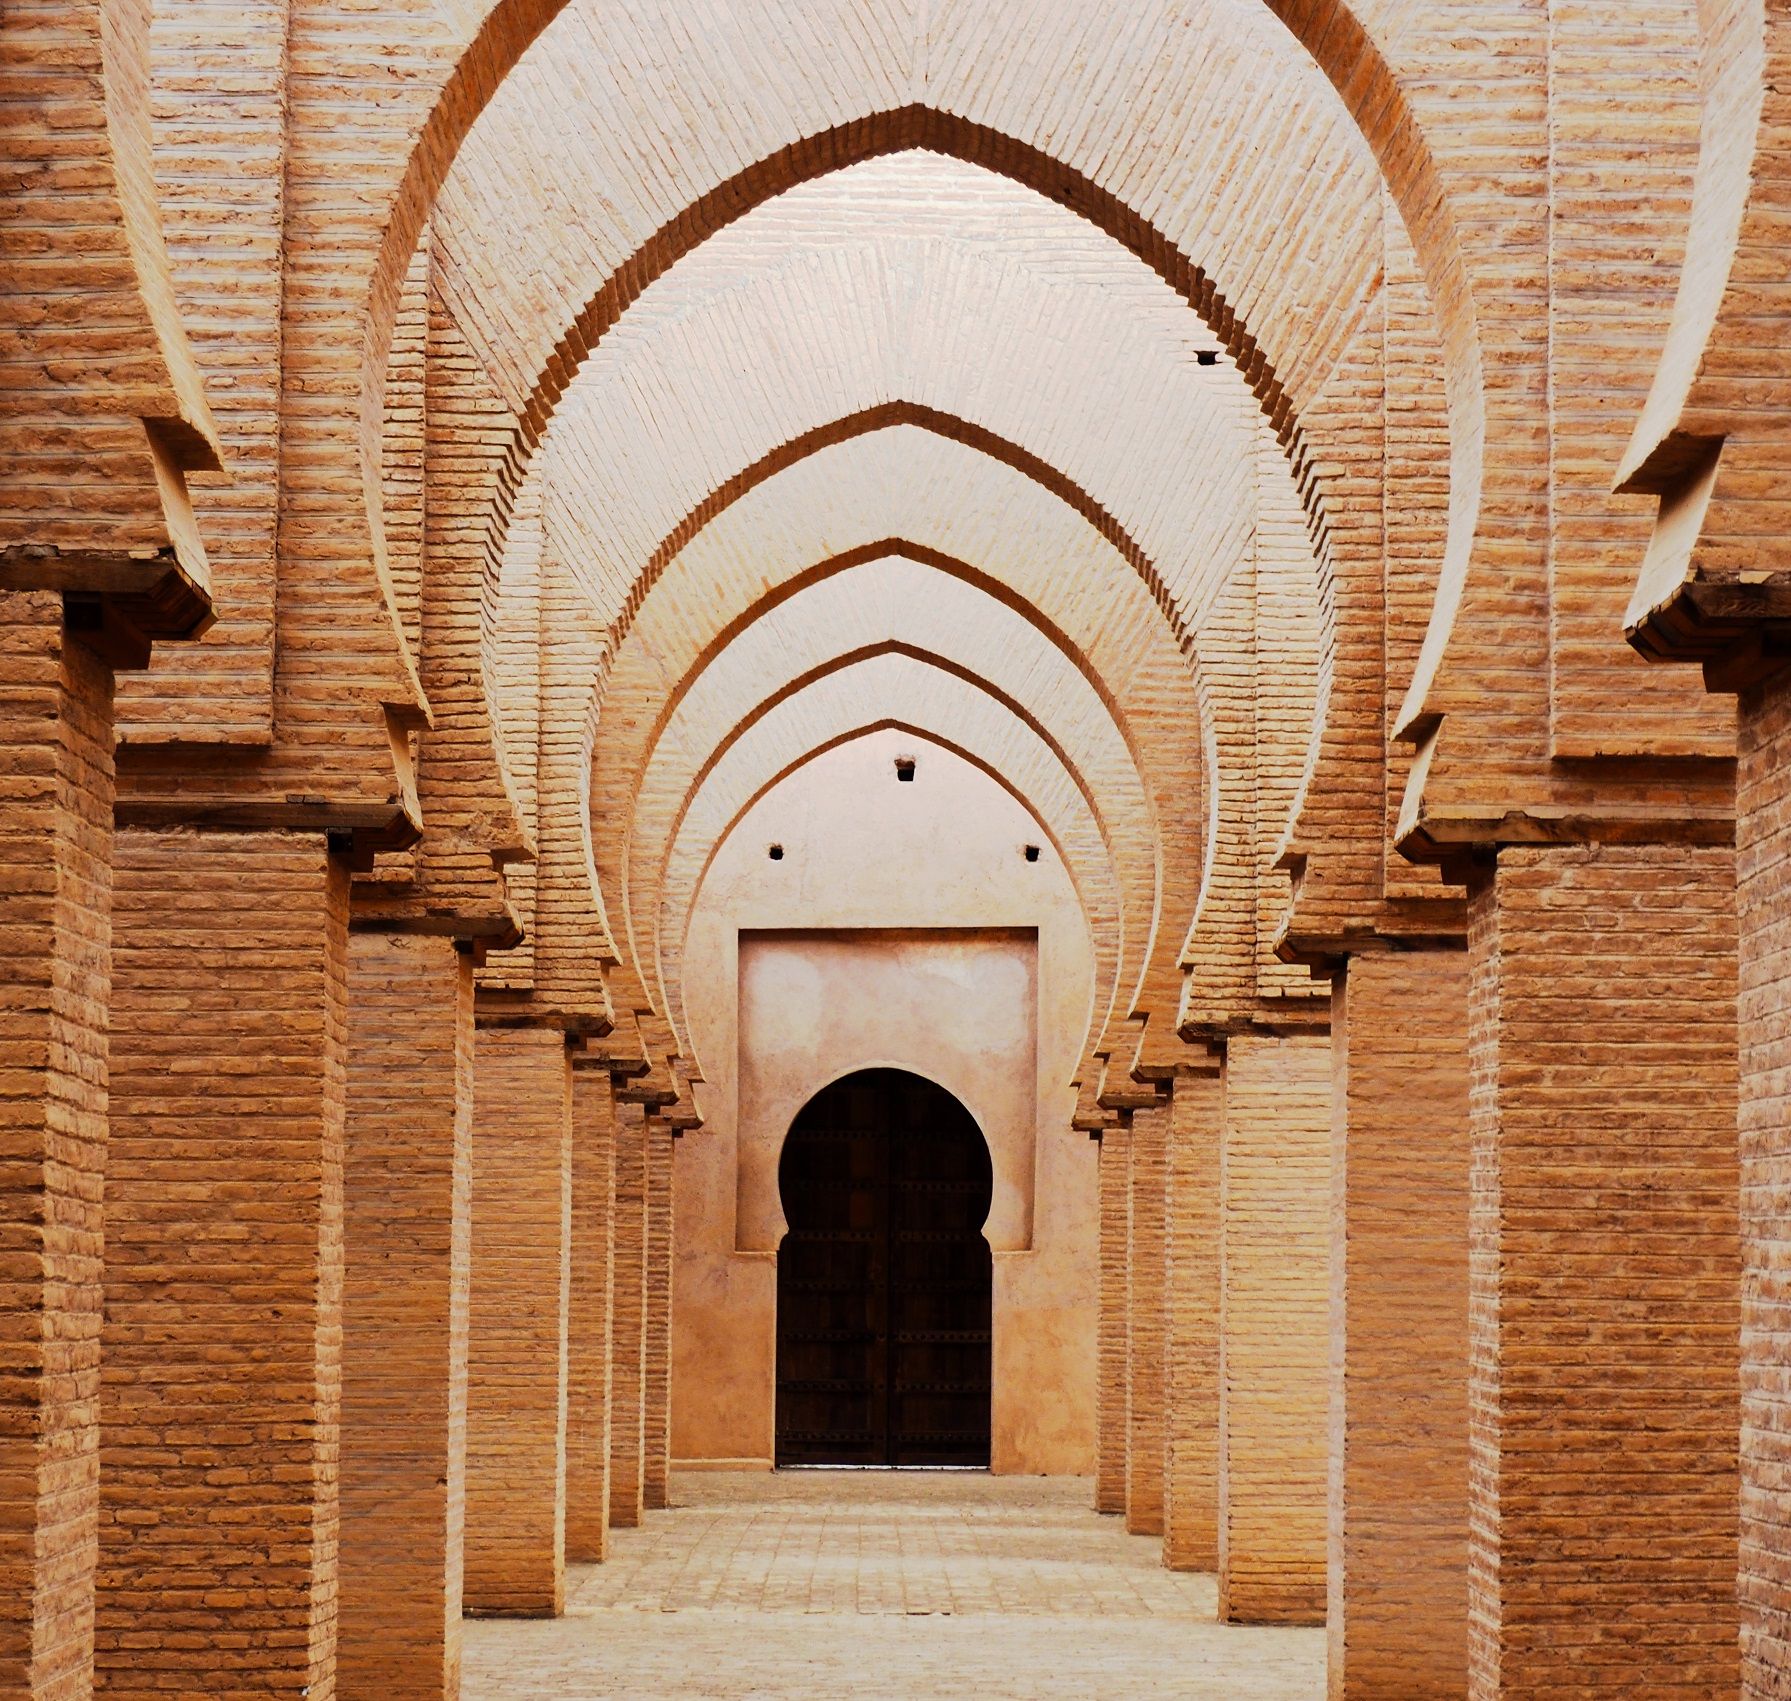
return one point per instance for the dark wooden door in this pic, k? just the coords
(884, 1280)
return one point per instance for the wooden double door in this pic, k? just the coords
(884, 1280)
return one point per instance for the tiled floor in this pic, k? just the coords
(824, 1586)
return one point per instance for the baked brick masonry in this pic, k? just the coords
(580, 584)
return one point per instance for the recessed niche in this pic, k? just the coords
(775, 852)
(1031, 853)
(1207, 356)
(904, 766)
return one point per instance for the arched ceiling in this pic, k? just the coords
(720, 325)
(747, 453)
(611, 129)
(806, 313)
(1020, 544)
(896, 689)
(954, 627)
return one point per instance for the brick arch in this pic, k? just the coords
(1165, 756)
(1228, 912)
(660, 376)
(400, 122)
(878, 134)
(883, 417)
(1704, 442)
(1101, 911)
(1135, 871)
(1329, 31)
(1348, 56)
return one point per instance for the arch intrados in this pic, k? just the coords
(839, 664)
(944, 741)
(921, 555)
(930, 129)
(882, 417)
(1330, 33)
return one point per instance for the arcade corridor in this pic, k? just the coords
(824, 1586)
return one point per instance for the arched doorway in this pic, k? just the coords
(884, 1280)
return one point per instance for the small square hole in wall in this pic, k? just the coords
(776, 853)
(1031, 853)
(1207, 356)
(905, 768)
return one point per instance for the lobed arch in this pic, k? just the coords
(1702, 442)
(963, 715)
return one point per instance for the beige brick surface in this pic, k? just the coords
(591, 1303)
(656, 1353)
(517, 1351)
(1112, 1381)
(1191, 1326)
(407, 1185)
(55, 921)
(222, 1348)
(1146, 1353)
(1274, 1325)
(628, 1326)
(1399, 1327)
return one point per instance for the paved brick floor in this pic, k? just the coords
(831, 1586)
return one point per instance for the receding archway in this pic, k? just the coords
(885, 1284)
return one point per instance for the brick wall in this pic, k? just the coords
(55, 926)
(1399, 1327)
(1274, 1320)
(1144, 1322)
(408, 1177)
(588, 1323)
(517, 1351)
(1763, 832)
(1111, 1389)
(656, 1369)
(1191, 1326)
(628, 1327)
(1605, 1274)
(221, 1377)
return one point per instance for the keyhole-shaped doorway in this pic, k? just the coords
(884, 1280)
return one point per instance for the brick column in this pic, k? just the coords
(1144, 1322)
(221, 1382)
(1274, 1328)
(656, 1368)
(1191, 1326)
(1605, 1274)
(407, 1187)
(1399, 1328)
(55, 970)
(588, 1327)
(1763, 871)
(1111, 1402)
(516, 1359)
(628, 1320)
